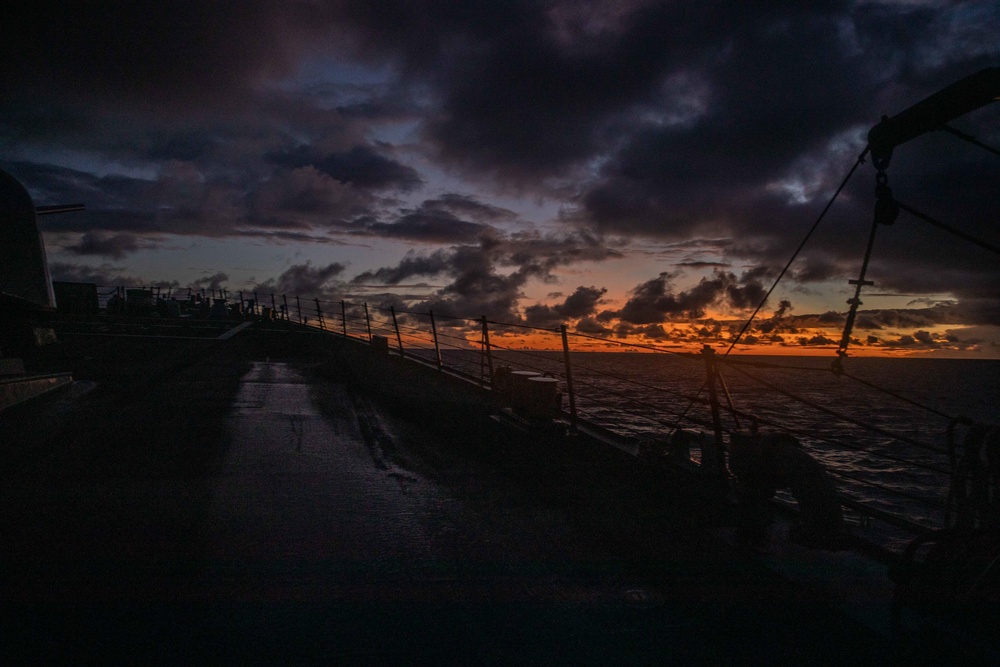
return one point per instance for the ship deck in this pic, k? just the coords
(248, 507)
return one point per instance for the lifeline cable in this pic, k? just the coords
(641, 346)
(948, 228)
(971, 139)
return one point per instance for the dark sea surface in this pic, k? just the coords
(881, 428)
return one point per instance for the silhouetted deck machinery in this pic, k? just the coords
(26, 294)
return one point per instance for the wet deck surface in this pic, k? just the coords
(320, 528)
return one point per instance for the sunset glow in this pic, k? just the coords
(639, 171)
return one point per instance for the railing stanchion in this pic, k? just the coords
(713, 398)
(284, 306)
(274, 308)
(343, 316)
(395, 325)
(437, 348)
(298, 306)
(256, 304)
(368, 323)
(569, 377)
(319, 314)
(487, 352)
(242, 302)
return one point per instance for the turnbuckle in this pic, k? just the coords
(886, 208)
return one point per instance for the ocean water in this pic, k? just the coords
(881, 429)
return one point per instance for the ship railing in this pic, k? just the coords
(898, 479)
(647, 411)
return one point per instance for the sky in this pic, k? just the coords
(638, 170)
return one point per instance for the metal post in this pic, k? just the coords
(395, 325)
(488, 352)
(242, 301)
(319, 314)
(437, 348)
(368, 323)
(284, 302)
(256, 304)
(298, 306)
(713, 398)
(343, 316)
(569, 377)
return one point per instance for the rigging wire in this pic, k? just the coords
(971, 139)
(843, 184)
(806, 436)
(671, 392)
(630, 399)
(896, 395)
(815, 225)
(834, 413)
(825, 369)
(948, 228)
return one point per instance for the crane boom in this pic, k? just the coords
(933, 113)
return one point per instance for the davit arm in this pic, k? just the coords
(933, 113)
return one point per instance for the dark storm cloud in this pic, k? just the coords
(105, 275)
(115, 246)
(780, 85)
(580, 304)
(441, 220)
(305, 198)
(367, 169)
(704, 265)
(725, 119)
(160, 53)
(434, 264)
(817, 340)
(182, 200)
(656, 300)
(464, 205)
(212, 282)
(360, 166)
(784, 92)
(590, 326)
(488, 278)
(183, 145)
(884, 322)
(429, 226)
(104, 196)
(280, 237)
(305, 280)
